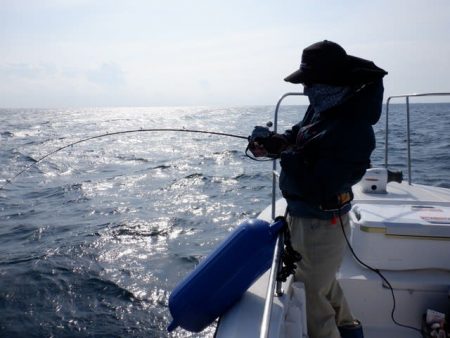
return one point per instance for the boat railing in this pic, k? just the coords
(408, 139)
(274, 165)
(274, 288)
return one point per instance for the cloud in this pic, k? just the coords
(204, 84)
(27, 71)
(107, 74)
(53, 85)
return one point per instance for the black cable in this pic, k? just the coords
(8, 181)
(378, 272)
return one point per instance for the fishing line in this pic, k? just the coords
(9, 181)
(378, 272)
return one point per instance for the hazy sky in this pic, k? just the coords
(66, 53)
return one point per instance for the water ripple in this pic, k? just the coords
(96, 236)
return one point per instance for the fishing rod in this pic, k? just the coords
(8, 181)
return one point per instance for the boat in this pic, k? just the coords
(396, 270)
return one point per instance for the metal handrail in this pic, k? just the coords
(406, 96)
(274, 165)
(273, 283)
(265, 323)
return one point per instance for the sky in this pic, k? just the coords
(97, 53)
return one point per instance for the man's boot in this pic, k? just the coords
(353, 330)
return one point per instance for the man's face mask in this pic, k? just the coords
(323, 97)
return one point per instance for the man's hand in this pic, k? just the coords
(265, 143)
(257, 149)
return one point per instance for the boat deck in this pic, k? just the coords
(371, 300)
(415, 289)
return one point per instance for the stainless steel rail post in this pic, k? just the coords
(408, 127)
(265, 324)
(408, 137)
(273, 284)
(274, 163)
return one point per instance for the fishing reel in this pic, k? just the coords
(259, 143)
(260, 133)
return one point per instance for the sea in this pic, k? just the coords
(95, 236)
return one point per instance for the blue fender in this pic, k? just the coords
(224, 276)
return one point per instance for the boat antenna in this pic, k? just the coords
(9, 181)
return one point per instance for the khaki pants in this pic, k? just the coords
(322, 246)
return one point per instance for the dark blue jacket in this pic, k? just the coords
(330, 151)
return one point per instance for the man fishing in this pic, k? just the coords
(321, 158)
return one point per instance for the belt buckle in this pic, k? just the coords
(343, 198)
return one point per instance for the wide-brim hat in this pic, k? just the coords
(327, 62)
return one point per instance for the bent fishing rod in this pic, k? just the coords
(10, 180)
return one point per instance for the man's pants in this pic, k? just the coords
(322, 245)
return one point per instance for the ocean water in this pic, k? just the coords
(94, 238)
